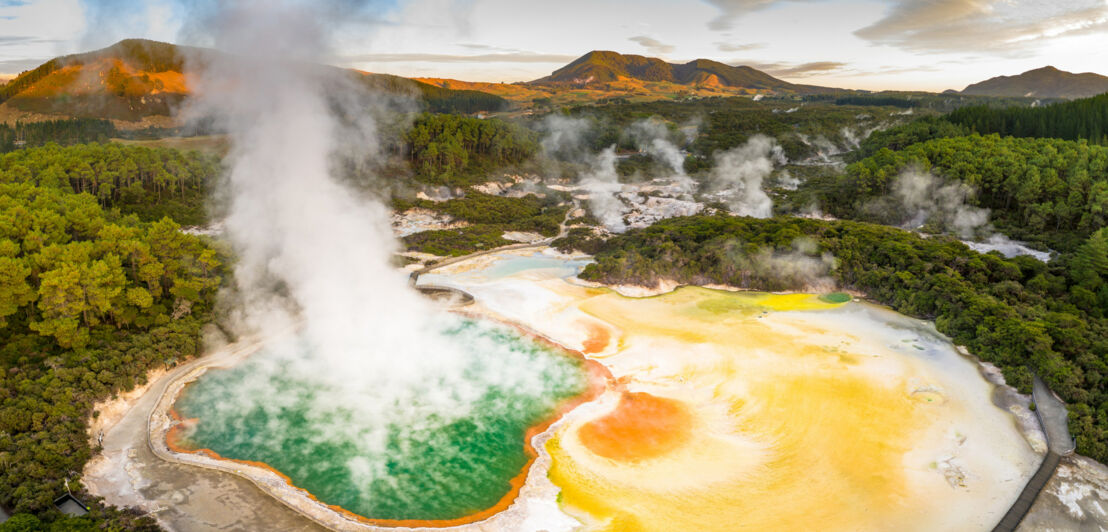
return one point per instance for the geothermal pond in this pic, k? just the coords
(415, 462)
(722, 411)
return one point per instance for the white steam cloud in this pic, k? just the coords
(311, 253)
(564, 136)
(739, 173)
(651, 136)
(929, 200)
(926, 198)
(602, 184)
(803, 267)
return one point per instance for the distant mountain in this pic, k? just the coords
(600, 67)
(143, 81)
(1046, 82)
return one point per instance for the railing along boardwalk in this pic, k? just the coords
(1053, 418)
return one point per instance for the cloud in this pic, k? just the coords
(733, 9)
(993, 26)
(653, 45)
(804, 70)
(507, 57)
(989, 26)
(729, 47)
(796, 70)
(15, 66)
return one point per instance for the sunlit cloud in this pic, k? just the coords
(654, 46)
(733, 9)
(994, 26)
(733, 47)
(509, 57)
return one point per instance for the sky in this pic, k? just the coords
(864, 44)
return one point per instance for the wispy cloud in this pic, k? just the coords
(15, 66)
(995, 26)
(813, 68)
(508, 57)
(733, 9)
(653, 45)
(20, 40)
(797, 70)
(732, 47)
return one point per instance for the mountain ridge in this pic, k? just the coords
(143, 81)
(604, 66)
(1044, 82)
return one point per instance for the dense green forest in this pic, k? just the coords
(90, 301)
(1050, 191)
(442, 100)
(1086, 118)
(149, 182)
(1021, 314)
(919, 101)
(457, 150)
(904, 135)
(65, 132)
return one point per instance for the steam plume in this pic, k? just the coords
(602, 184)
(740, 171)
(652, 137)
(926, 198)
(311, 251)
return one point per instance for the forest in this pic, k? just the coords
(149, 182)
(943, 102)
(1050, 191)
(458, 150)
(90, 301)
(64, 132)
(1086, 118)
(1020, 314)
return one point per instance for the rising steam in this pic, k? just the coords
(311, 253)
(926, 198)
(602, 184)
(740, 171)
(651, 137)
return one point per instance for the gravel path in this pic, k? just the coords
(183, 498)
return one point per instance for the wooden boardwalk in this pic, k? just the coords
(1054, 420)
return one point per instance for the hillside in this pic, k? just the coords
(1046, 82)
(142, 82)
(598, 68)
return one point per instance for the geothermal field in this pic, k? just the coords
(297, 271)
(697, 407)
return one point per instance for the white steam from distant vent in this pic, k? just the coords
(740, 172)
(921, 198)
(927, 198)
(651, 136)
(564, 137)
(602, 184)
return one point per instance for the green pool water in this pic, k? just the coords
(402, 461)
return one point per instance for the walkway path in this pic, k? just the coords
(1053, 417)
(183, 497)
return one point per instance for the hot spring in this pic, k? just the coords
(418, 462)
(721, 411)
